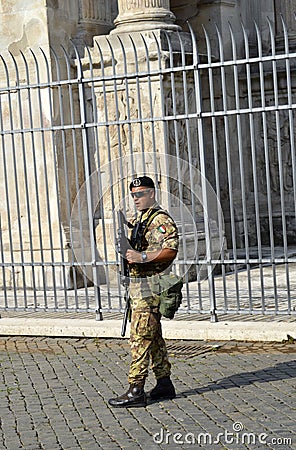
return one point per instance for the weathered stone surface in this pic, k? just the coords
(144, 15)
(40, 178)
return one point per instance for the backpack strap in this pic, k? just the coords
(154, 214)
(141, 227)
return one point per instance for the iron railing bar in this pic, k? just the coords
(204, 185)
(190, 167)
(45, 85)
(216, 157)
(228, 161)
(97, 150)
(129, 120)
(168, 159)
(89, 190)
(253, 157)
(266, 158)
(26, 179)
(253, 59)
(37, 198)
(5, 284)
(177, 144)
(255, 261)
(166, 152)
(49, 309)
(86, 80)
(132, 75)
(292, 143)
(254, 110)
(198, 269)
(78, 192)
(143, 74)
(7, 199)
(54, 156)
(241, 162)
(121, 276)
(264, 312)
(139, 104)
(167, 118)
(214, 64)
(153, 138)
(16, 178)
(45, 167)
(66, 172)
(279, 154)
(118, 129)
(291, 124)
(242, 312)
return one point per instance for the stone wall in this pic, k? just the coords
(40, 229)
(41, 171)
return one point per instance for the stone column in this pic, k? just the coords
(94, 18)
(143, 15)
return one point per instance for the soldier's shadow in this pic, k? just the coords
(280, 371)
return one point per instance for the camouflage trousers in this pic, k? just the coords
(146, 341)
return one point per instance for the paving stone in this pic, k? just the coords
(59, 388)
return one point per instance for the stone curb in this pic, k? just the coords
(190, 330)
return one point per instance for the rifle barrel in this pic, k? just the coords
(122, 246)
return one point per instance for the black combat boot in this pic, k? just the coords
(163, 389)
(135, 396)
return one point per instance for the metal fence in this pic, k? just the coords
(213, 127)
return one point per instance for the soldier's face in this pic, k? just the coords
(143, 197)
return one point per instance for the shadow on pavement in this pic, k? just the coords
(280, 371)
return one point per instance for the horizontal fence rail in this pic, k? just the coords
(212, 124)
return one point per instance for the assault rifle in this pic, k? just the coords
(122, 246)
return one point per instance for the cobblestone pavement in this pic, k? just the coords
(231, 395)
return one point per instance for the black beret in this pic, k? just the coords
(142, 181)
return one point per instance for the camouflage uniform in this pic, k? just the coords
(145, 334)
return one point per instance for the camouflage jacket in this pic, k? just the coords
(161, 232)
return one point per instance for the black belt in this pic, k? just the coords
(138, 279)
(151, 309)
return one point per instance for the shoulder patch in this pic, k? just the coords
(162, 229)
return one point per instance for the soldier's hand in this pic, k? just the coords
(133, 256)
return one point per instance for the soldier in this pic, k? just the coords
(154, 241)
